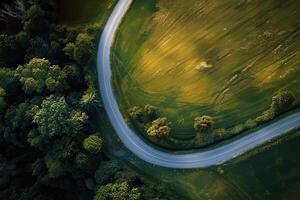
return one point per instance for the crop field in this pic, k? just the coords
(190, 58)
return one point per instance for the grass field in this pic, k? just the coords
(220, 58)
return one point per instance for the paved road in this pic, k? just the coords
(152, 155)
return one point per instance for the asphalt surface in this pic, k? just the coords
(149, 154)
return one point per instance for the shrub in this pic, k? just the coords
(265, 116)
(250, 123)
(203, 124)
(150, 111)
(159, 128)
(82, 160)
(92, 144)
(282, 102)
(136, 113)
(238, 129)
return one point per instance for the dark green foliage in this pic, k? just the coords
(82, 160)
(49, 149)
(282, 102)
(7, 171)
(17, 124)
(9, 50)
(38, 48)
(8, 80)
(106, 172)
(55, 167)
(2, 101)
(73, 75)
(34, 21)
(82, 51)
(92, 144)
(23, 39)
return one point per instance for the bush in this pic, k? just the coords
(250, 123)
(238, 129)
(82, 160)
(150, 111)
(34, 21)
(136, 113)
(265, 116)
(159, 128)
(282, 102)
(106, 172)
(92, 144)
(203, 124)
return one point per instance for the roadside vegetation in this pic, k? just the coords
(203, 63)
(49, 146)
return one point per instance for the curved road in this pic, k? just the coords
(152, 155)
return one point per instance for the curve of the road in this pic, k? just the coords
(149, 154)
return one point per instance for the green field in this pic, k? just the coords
(270, 171)
(220, 58)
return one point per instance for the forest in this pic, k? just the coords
(49, 146)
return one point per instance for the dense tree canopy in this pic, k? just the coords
(39, 74)
(54, 117)
(34, 21)
(49, 146)
(117, 191)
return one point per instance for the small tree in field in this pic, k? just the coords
(136, 113)
(282, 101)
(159, 128)
(203, 124)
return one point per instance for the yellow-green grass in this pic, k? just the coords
(253, 48)
(78, 11)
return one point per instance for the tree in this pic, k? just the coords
(150, 111)
(23, 39)
(92, 144)
(17, 124)
(82, 160)
(38, 48)
(8, 81)
(136, 113)
(282, 102)
(55, 118)
(159, 128)
(84, 48)
(73, 75)
(117, 191)
(55, 167)
(69, 50)
(90, 99)
(203, 124)
(34, 21)
(106, 172)
(38, 74)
